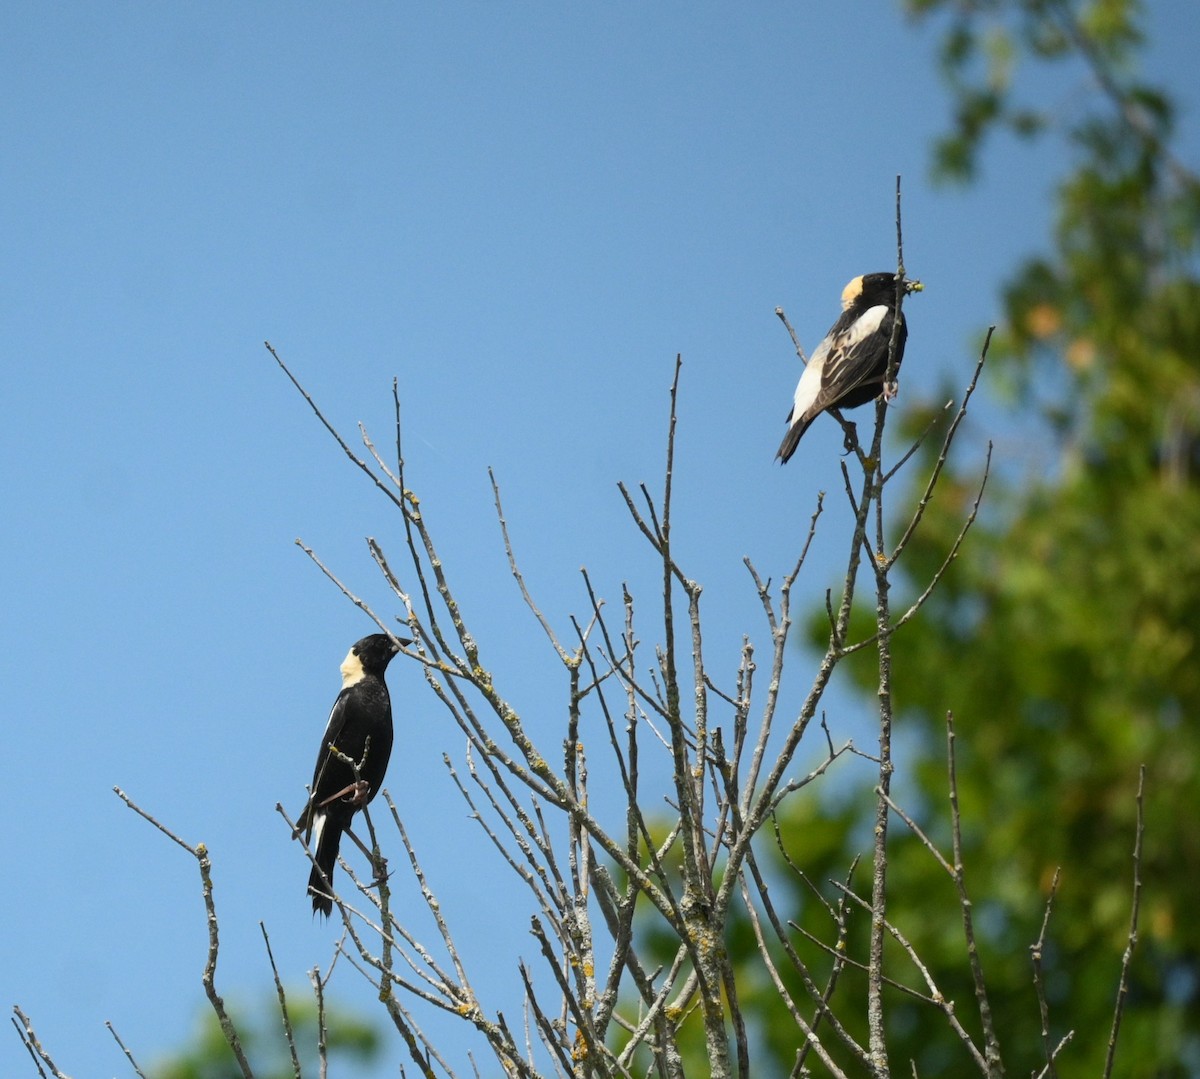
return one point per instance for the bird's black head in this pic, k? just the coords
(875, 288)
(370, 656)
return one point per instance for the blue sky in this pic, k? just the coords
(520, 214)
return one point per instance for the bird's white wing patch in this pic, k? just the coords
(318, 826)
(329, 731)
(809, 385)
(842, 371)
(864, 326)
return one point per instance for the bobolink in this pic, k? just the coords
(362, 711)
(849, 365)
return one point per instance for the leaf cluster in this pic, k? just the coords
(348, 1038)
(1065, 640)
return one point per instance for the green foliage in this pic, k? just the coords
(349, 1039)
(1065, 637)
(983, 46)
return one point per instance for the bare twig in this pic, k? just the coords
(208, 977)
(519, 577)
(29, 1039)
(952, 554)
(318, 984)
(993, 1066)
(792, 334)
(1048, 1068)
(991, 1044)
(1036, 951)
(1131, 940)
(288, 1033)
(125, 1049)
(917, 443)
(388, 492)
(947, 442)
(935, 996)
(359, 603)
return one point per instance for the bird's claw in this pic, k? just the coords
(356, 794)
(380, 879)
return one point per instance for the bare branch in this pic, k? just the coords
(124, 1049)
(520, 579)
(935, 997)
(288, 1033)
(991, 1044)
(29, 1039)
(918, 442)
(945, 453)
(1131, 940)
(318, 984)
(332, 430)
(792, 334)
(208, 978)
(1036, 950)
(1062, 1044)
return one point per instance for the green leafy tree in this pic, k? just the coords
(1065, 637)
(349, 1039)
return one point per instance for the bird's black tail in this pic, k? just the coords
(792, 439)
(328, 841)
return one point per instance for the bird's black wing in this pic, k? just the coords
(333, 732)
(854, 356)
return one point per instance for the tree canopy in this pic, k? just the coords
(1064, 637)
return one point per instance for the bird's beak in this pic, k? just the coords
(913, 286)
(401, 642)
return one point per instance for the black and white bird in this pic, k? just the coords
(360, 728)
(849, 366)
